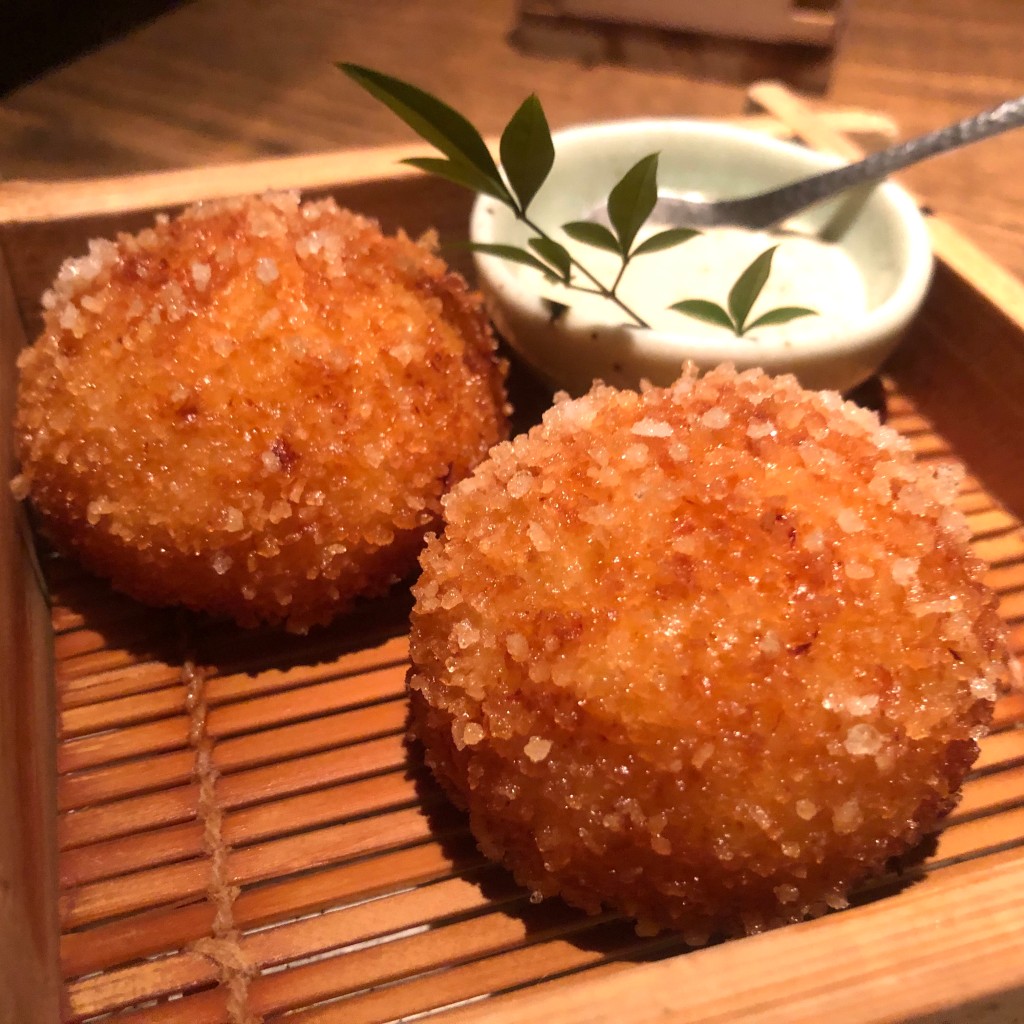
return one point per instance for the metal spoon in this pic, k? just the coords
(768, 208)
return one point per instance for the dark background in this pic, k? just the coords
(36, 35)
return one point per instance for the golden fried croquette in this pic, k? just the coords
(254, 409)
(707, 655)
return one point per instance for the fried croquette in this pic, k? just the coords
(707, 655)
(254, 409)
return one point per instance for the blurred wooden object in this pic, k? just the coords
(738, 41)
(813, 22)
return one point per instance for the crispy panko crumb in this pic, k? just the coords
(707, 655)
(254, 409)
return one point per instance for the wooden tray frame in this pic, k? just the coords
(96, 862)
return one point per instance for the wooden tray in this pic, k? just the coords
(226, 826)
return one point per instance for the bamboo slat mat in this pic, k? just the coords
(244, 834)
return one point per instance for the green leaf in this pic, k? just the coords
(782, 315)
(747, 288)
(512, 253)
(432, 120)
(460, 174)
(589, 233)
(527, 152)
(702, 309)
(631, 201)
(554, 254)
(665, 240)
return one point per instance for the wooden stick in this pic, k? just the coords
(108, 610)
(848, 120)
(802, 120)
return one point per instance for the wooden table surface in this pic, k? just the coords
(218, 80)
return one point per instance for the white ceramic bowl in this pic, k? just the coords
(887, 242)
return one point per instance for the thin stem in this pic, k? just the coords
(608, 293)
(622, 270)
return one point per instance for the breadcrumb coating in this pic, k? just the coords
(253, 409)
(707, 655)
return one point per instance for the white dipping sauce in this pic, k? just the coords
(805, 272)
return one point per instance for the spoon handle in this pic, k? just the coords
(771, 207)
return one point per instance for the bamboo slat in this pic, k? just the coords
(1001, 750)
(979, 837)
(1009, 712)
(172, 733)
(127, 939)
(379, 964)
(170, 883)
(292, 941)
(167, 806)
(125, 854)
(146, 774)
(225, 686)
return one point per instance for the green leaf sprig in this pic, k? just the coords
(527, 156)
(742, 296)
(630, 203)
